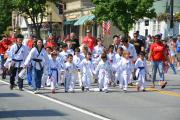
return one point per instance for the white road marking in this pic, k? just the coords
(66, 105)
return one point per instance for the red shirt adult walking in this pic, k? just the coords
(89, 40)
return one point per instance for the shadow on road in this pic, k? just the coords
(9, 95)
(30, 113)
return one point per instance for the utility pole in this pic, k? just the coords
(171, 17)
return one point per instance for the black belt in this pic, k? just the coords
(39, 61)
(19, 61)
(141, 68)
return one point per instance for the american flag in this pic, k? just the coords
(106, 27)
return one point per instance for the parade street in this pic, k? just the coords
(116, 105)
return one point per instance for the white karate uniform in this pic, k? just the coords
(87, 69)
(116, 60)
(125, 67)
(17, 60)
(77, 60)
(98, 50)
(63, 56)
(110, 57)
(103, 70)
(34, 54)
(54, 71)
(141, 70)
(131, 49)
(70, 69)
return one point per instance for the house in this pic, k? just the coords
(148, 26)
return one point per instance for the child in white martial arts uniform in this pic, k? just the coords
(125, 67)
(141, 70)
(77, 58)
(98, 49)
(70, 70)
(110, 58)
(103, 70)
(116, 60)
(54, 69)
(87, 69)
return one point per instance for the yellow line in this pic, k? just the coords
(170, 93)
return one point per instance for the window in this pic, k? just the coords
(146, 22)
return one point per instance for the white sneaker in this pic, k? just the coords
(35, 92)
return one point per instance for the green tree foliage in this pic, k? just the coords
(5, 14)
(123, 13)
(33, 9)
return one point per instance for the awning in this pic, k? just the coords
(69, 22)
(84, 19)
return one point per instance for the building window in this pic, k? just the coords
(146, 22)
(146, 32)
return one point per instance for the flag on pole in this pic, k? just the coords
(106, 27)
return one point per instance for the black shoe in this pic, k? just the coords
(20, 89)
(11, 87)
(62, 84)
(82, 88)
(100, 90)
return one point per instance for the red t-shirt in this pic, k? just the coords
(157, 50)
(30, 43)
(90, 41)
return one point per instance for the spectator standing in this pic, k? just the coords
(90, 40)
(74, 41)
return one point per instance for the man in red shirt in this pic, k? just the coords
(158, 55)
(90, 40)
(4, 44)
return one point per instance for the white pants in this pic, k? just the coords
(69, 82)
(141, 81)
(86, 80)
(120, 79)
(103, 83)
(125, 79)
(78, 78)
(53, 84)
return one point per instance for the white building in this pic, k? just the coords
(148, 26)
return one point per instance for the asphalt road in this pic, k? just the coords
(155, 104)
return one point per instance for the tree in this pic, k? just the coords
(33, 9)
(5, 14)
(123, 13)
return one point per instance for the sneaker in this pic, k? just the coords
(100, 90)
(163, 85)
(11, 87)
(35, 92)
(125, 90)
(106, 91)
(20, 89)
(82, 88)
(144, 90)
(62, 84)
(53, 91)
(87, 89)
